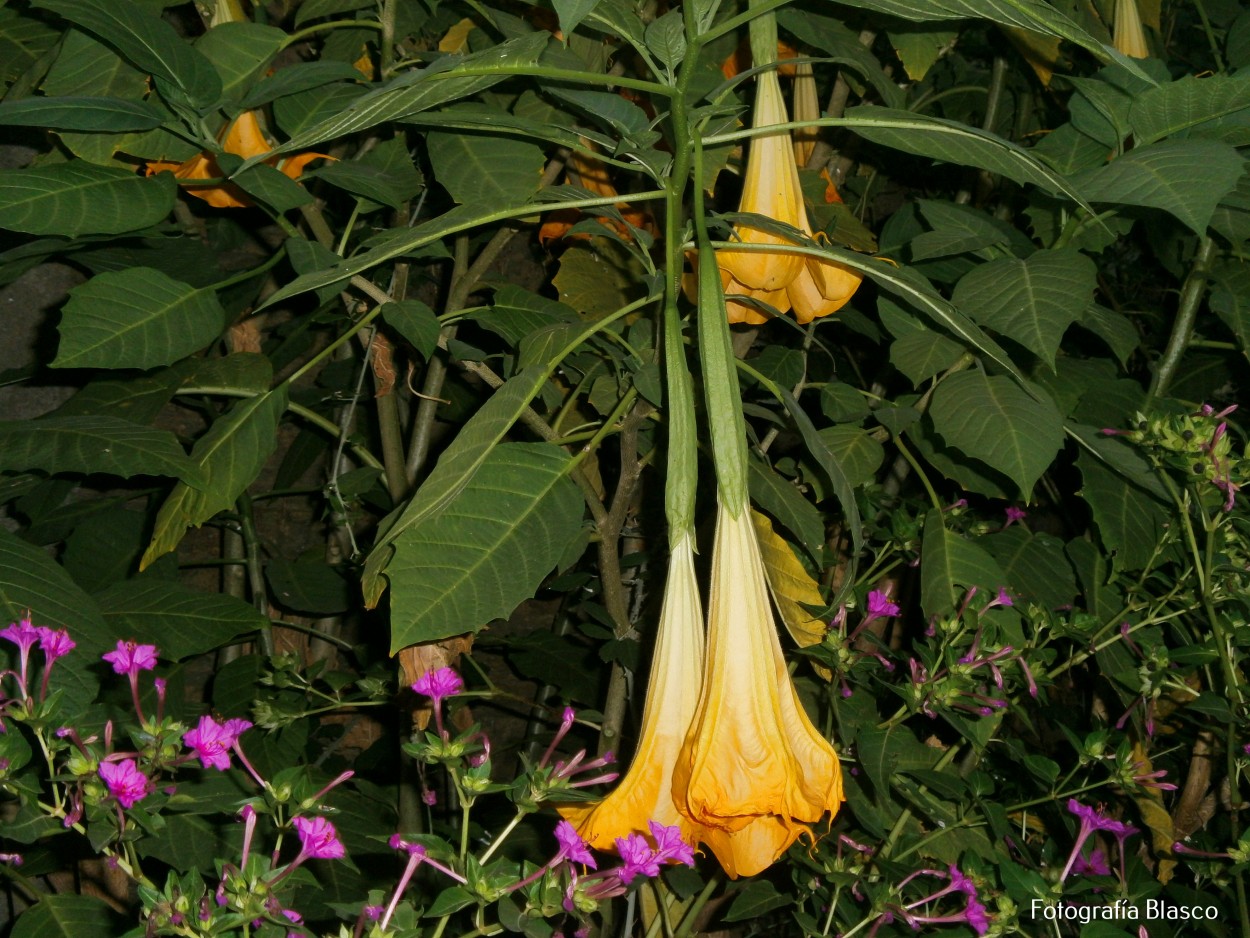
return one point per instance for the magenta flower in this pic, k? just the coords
(637, 858)
(211, 741)
(318, 839)
(1095, 865)
(572, 846)
(130, 658)
(1092, 819)
(437, 684)
(669, 845)
(125, 782)
(23, 635)
(55, 643)
(1014, 514)
(880, 606)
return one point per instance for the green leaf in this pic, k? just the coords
(755, 899)
(484, 170)
(23, 41)
(924, 353)
(1034, 15)
(311, 10)
(1187, 178)
(147, 41)
(1032, 301)
(240, 52)
(67, 915)
(309, 586)
(1035, 566)
(858, 453)
(93, 444)
(231, 455)
(181, 621)
(957, 229)
(780, 497)
(32, 583)
(273, 188)
(455, 469)
(598, 276)
(365, 181)
(1130, 523)
(303, 76)
(78, 198)
(139, 318)
(1113, 328)
(994, 420)
(953, 142)
(920, 47)
(488, 549)
(949, 564)
(1230, 298)
(572, 12)
(666, 38)
(80, 113)
(448, 78)
(247, 372)
(1187, 103)
(416, 322)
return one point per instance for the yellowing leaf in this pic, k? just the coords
(1150, 805)
(790, 583)
(1041, 52)
(456, 39)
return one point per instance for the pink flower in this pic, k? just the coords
(55, 643)
(22, 634)
(669, 845)
(572, 846)
(211, 741)
(125, 782)
(437, 684)
(318, 838)
(130, 658)
(880, 606)
(637, 858)
(1014, 514)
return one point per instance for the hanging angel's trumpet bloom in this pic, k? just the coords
(1128, 36)
(645, 794)
(243, 137)
(591, 174)
(784, 280)
(806, 108)
(754, 773)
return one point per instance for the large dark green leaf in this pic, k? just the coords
(137, 318)
(23, 40)
(447, 79)
(239, 52)
(488, 549)
(488, 171)
(1032, 301)
(1130, 522)
(93, 444)
(949, 564)
(68, 915)
(1187, 103)
(79, 198)
(994, 420)
(80, 113)
(1187, 178)
(230, 454)
(1035, 566)
(147, 41)
(182, 622)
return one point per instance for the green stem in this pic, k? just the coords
(896, 831)
(1186, 315)
(692, 914)
(1201, 7)
(308, 31)
(255, 569)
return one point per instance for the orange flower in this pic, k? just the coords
(808, 285)
(243, 137)
(1129, 37)
(646, 792)
(754, 773)
(591, 174)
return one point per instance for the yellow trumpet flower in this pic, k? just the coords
(753, 773)
(243, 137)
(810, 286)
(646, 792)
(1128, 36)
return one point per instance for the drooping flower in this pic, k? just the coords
(243, 137)
(770, 187)
(1128, 36)
(753, 772)
(318, 838)
(590, 173)
(646, 793)
(125, 782)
